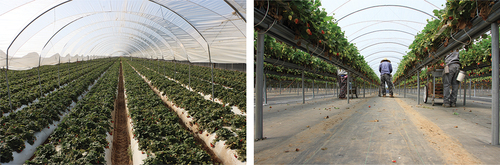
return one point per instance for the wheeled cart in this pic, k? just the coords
(433, 88)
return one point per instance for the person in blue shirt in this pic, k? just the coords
(385, 69)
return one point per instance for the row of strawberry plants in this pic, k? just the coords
(208, 115)
(20, 76)
(29, 91)
(20, 126)
(228, 78)
(227, 96)
(82, 133)
(438, 32)
(157, 128)
(311, 23)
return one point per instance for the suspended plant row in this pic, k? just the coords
(285, 70)
(157, 128)
(453, 18)
(287, 79)
(27, 91)
(231, 96)
(210, 116)
(20, 126)
(310, 23)
(81, 135)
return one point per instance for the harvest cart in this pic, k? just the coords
(353, 91)
(433, 88)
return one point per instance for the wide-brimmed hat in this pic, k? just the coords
(385, 59)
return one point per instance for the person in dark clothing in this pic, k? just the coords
(452, 68)
(385, 69)
(342, 83)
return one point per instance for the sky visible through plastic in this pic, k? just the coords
(85, 29)
(382, 32)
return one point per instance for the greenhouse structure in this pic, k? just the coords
(123, 82)
(320, 99)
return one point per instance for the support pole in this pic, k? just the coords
(326, 88)
(465, 91)
(404, 90)
(494, 84)
(260, 84)
(280, 87)
(7, 78)
(39, 79)
(265, 89)
(303, 90)
(364, 88)
(418, 87)
(189, 74)
(470, 89)
(59, 74)
(313, 88)
(348, 90)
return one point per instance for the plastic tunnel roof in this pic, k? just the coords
(71, 30)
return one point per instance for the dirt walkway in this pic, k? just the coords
(121, 138)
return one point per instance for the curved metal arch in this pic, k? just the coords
(393, 39)
(243, 33)
(208, 46)
(120, 51)
(99, 48)
(397, 43)
(108, 44)
(132, 46)
(87, 42)
(371, 61)
(143, 33)
(385, 51)
(386, 56)
(402, 6)
(144, 37)
(164, 42)
(382, 21)
(170, 34)
(144, 45)
(383, 30)
(15, 38)
(58, 5)
(139, 43)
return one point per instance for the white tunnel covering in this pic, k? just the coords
(71, 30)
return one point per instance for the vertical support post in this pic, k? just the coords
(280, 87)
(189, 74)
(404, 90)
(39, 79)
(297, 88)
(364, 88)
(465, 91)
(418, 87)
(470, 89)
(474, 90)
(7, 77)
(260, 84)
(265, 89)
(313, 88)
(326, 88)
(348, 90)
(58, 74)
(303, 90)
(494, 84)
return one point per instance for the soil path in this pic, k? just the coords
(121, 137)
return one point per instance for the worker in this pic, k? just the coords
(342, 83)
(451, 70)
(385, 69)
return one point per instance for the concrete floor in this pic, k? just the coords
(374, 130)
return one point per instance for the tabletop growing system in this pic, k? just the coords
(297, 37)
